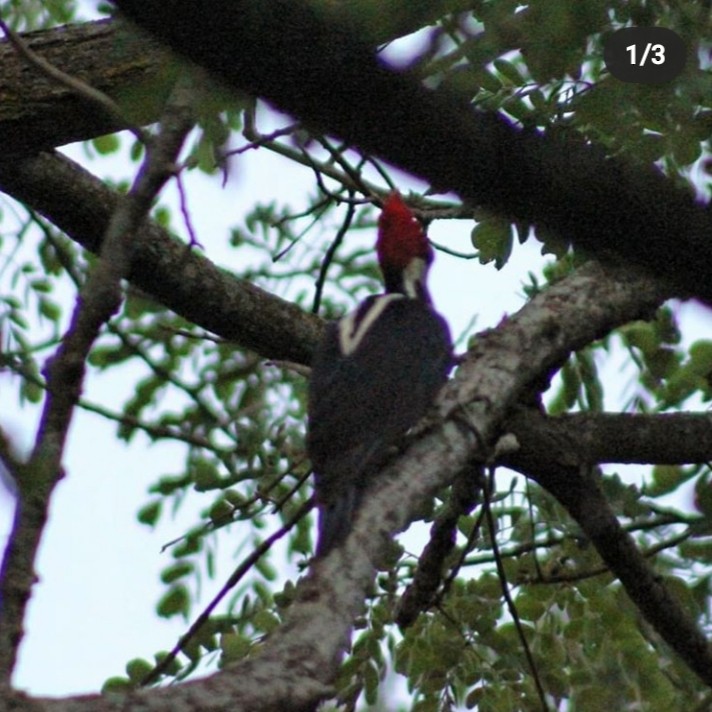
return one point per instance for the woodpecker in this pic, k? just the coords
(374, 375)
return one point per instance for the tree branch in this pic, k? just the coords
(494, 166)
(574, 483)
(297, 663)
(598, 438)
(85, 91)
(81, 205)
(37, 113)
(336, 83)
(99, 298)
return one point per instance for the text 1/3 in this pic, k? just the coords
(657, 51)
(644, 55)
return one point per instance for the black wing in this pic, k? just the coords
(363, 403)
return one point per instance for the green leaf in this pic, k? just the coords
(136, 150)
(569, 391)
(266, 569)
(266, 621)
(642, 335)
(116, 685)
(175, 571)
(662, 362)
(371, 679)
(137, 669)
(492, 238)
(104, 356)
(510, 71)
(205, 475)
(31, 391)
(189, 545)
(703, 496)
(149, 513)
(666, 479)
(220, 511)
(701, 358)
(698, 550)
(489, 81)
(107, 144)
(234, 646)
(41, 285)
(681, 385)
(176, 601)
(50, 310)
(173, 667)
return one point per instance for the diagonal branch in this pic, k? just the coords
(560, 469)
(98, 300)
(337, 83)
(295, 666)
(81, 205)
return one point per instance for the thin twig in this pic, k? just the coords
(575, 576)
(507, 595)
(354, 174)
(234, 579)
(258, 140)
(330, 254)
(185, 212)
(422, 593)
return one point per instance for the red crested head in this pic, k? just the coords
(400, 236)
(404, 252)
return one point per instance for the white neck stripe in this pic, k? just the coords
(414, 277)
(352, 332)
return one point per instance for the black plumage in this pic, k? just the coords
(374, 376)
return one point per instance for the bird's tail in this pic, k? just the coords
(336, 519)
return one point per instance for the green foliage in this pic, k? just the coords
(37, 14)
(239, 422)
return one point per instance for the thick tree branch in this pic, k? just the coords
(517, 174)
(598, 438)
(296, 664)
(81, 205)
(38, 113)
(591, 438)
(335, 82)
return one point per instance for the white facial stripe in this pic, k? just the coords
(413, 275)
(351, 332)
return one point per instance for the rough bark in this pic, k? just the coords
(295, 665)
(38, 113)
(335, 83)
(598, 438)
(557, 465)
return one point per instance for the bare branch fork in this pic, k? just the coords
(98, 300)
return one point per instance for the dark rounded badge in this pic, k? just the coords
(644, 55)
